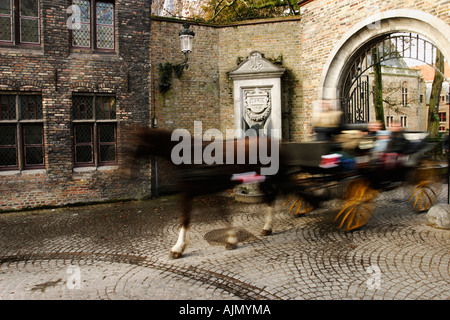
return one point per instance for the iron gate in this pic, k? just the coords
(355, 93)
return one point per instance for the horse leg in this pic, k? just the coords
(178, 249)
(267, 229)
(232, 239)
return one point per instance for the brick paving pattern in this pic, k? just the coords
(120, 251)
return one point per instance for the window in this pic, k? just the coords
(95, 130)
(442, 116)
(20, 22)
(21, 131)
(404, 121)
(389, 121)
(404, 96)
(96, 25)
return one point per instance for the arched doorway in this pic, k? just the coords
(395, 52)
(352, 51)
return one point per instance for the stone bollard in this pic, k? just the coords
(439, 216)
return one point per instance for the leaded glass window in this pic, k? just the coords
(83, 107)
(94, 21)
(7, 107)
(105, 25)
(106, 108)
(107, 143)
(33, 145)
(21, 131)
(30, 107)
(20, 22)
(8, 147)
(84, 144)
(81, 35)
(29, 21)
(95, 129)
(6, 20)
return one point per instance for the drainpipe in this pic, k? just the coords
(154, 161)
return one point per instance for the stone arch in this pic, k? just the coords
(401, 20)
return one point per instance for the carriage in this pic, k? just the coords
(350, 167)
(347, 164)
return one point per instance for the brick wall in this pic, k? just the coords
(204, 92)
(57, 71)
(274, 39)
(192, 97)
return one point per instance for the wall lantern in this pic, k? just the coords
(186, 40)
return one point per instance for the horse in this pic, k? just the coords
(196, 177)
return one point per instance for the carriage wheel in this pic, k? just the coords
(424, 196)
(354, 215)
(302, 205)
(358, 205)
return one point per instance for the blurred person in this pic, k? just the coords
(327, 120)
(446, 145)
(368, 142)
(398, 142)
(382, 141)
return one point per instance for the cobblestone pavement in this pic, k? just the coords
(120, 251)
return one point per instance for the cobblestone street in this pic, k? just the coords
(120, 251)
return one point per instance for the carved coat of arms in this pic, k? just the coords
(257, 106)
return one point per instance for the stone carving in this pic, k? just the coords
(257, 94)
(257, 106)
(255, 60)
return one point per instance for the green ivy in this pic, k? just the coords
(165, 77)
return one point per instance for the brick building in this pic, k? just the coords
(71, 83)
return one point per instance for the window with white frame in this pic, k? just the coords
(389, 121)
(405, 94)
(404, 121)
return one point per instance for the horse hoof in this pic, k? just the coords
(230, 246)
(266, 233)
(174, 255)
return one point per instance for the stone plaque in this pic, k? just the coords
(257, 94)
(257, 106)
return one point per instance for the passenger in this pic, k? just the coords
(374, 127)
(382, 141)
(398, 142)
(326, 120)
(367, 143)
